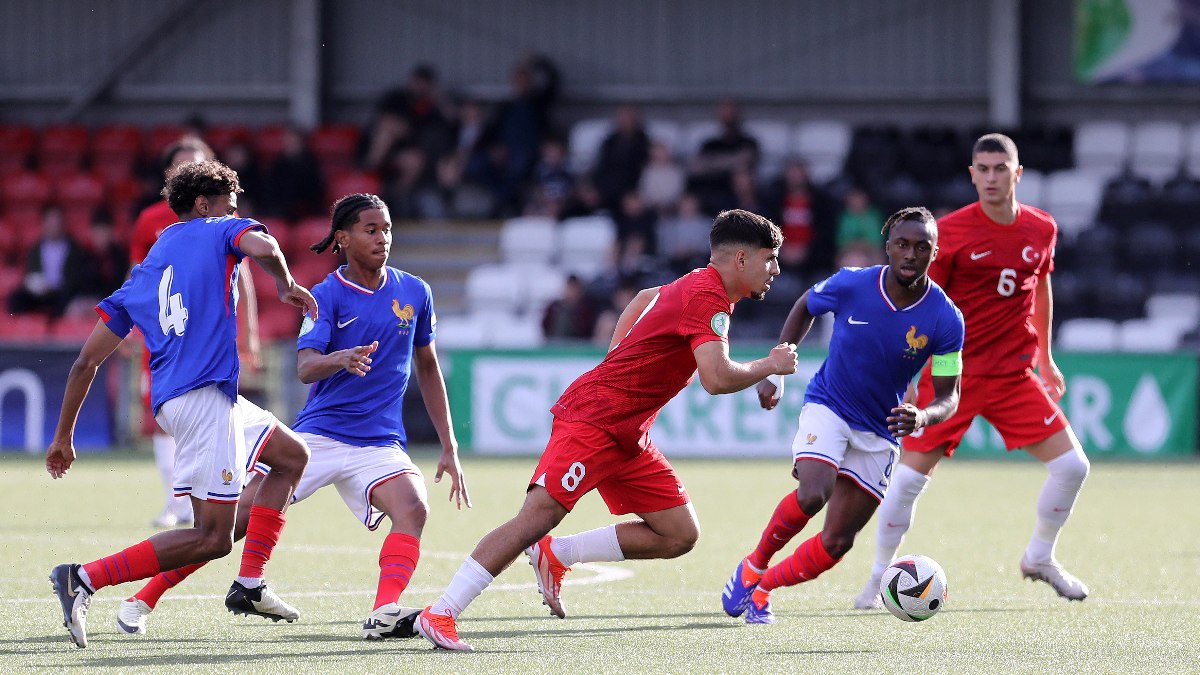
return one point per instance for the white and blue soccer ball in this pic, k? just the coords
(913, 588)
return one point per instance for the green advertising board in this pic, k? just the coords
(1120, 405)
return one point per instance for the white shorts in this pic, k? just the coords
(210, 448)
(862, 456)
(356, 471)
(257, 426)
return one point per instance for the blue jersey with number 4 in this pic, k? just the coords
(183, 297)
(366, 411)
(876, 348)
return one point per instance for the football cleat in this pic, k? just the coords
(549, 573)
(736, 596)
(260, 601)
(131, 616)
(75, 598)
(391, 621)
(759, 609)
(1063, 582)
(441, 630)
(869, 599)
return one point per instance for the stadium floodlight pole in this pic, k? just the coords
(1004, 64)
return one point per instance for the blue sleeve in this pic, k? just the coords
(953, 331)
(234, 228)
(317, 334)
(112, 312)
(426, 321)
(824, 297)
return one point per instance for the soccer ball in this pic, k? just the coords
(913, 588)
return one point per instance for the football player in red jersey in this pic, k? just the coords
(600, 438)
(995, 263)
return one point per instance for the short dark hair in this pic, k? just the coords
(344, 214)
(202, 179)
(188, 143)
(919, 214)
(738, 226)
(995, 143)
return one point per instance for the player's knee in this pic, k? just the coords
(1071, 468)
(292, 457)
(215, 545)
(837, 544)
(680, 543)
(811, 501)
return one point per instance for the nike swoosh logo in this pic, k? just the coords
(343, 324)
(852, 322)
(1058, 510)
(977, 256)
(1050, 419)
(895, 524)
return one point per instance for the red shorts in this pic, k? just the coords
(1016, 404)
(581, 457)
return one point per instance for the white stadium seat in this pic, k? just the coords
(1032, 188)
(460, 332)
(1182, 309)
(494, 288)
(1087, 335)
(529, 240)
(586, 244)
(541, 284)
(1073, 198)
(586, 138)
(1192, 148)
(1148, 335)
(1157, 149)
(1102, 147)
(510, 331)
(823, 145)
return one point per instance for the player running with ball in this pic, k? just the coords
(889, 320)
(997, 256)
(600, 439)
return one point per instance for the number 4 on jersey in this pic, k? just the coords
(172, 315)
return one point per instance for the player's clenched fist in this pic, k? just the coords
(905, 419)
(357, 360)
(783, 359)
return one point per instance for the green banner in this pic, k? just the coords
(1126, 405)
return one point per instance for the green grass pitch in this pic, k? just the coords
(1133, 539)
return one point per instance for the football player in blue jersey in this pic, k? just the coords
(182, 298)
(375, 329)
(888, 321)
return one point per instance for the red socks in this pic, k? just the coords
(807, 563)
(262, 533)
(154, 589)
(787, 520)
(136, 562)
(397, 562)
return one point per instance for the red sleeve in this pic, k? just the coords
(705, 318)
(1048, 263)
(142, 238)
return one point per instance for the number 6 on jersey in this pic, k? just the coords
(172, 315)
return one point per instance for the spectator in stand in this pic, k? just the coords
(415, 116)
(552, 181)
(662, 181)
(683, 237)
(637, 226)
(584, 200)
(623, 155)
(572, 316)
(802, 212)
(859, 232)
(606, 321)
(44, 287)
(713, 167)
(293, 187)
(98, 269)
(239, 157)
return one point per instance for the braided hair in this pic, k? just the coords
(344, 214)
(919, 214)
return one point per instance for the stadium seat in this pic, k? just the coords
(1147, 246)
(586, 245)
(494, 288)
(335, 146)
(277, 321)
(1119, 296)
(1073, 197)
(221, 136)
(72, 329)
(541, 285)
(1032, 188)
(115, 152)
(16, 145)
(1127, 198)
(823, 145)
(956, 192)
(1179, 201)
(308, 268)
(79, 191)
(10, 275)
(513, 332)
(1102, 147)
(460, 332)
(899, 191)
(159, 138)
(1087, 335)
(1156, 149)
(304, 234)
(1149, 335)
(1182, 309)
(351, 182)
(268, 143)
(25, 193)
(667, 132)
(933, 153)
(585, 139)
(528, 240)
(62, 149)
(774, 144)
(24, 327)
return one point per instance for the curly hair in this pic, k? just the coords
(918, 214)
(344, 214)
(202, 179)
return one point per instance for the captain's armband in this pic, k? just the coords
(947, 365)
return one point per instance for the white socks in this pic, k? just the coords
(598, 545)
(896, 514)
(468, 582)
(1062, 486)
(250, 582)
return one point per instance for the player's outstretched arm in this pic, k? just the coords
(249, 341)
(795, 328)
(266, 252)
(1043, 320)
(312, 365)
(630, 315)
(99, 345)
(721, 375)
(437, 404)
(906, 418)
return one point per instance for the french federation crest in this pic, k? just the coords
(915, 342)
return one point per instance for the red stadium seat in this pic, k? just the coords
(25, 193)
(268, 143)
(73, 329)
(10, 278)
(62, 149)
(115, 152)
(23, 327)
(277, 321)
(310, 269)
(159, 138)
(16, 145)
(351, 182)
(335, 146)
(22, 230)
(124, 196)
(79, 195)
(221, 136)
(306, 233)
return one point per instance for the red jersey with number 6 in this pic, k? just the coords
(991, 271)
(653, 363)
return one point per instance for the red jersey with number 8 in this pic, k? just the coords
(653, 363)
(991, 271)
